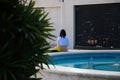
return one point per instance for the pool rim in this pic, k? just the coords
(84, 72)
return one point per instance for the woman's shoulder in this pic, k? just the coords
(58, 37)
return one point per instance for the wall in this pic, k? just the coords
(62, 14)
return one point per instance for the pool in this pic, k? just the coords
(84, 65)
(89, 60)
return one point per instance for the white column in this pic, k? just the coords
(62, 13)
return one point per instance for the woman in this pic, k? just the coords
(62, 41)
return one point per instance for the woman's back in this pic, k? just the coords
(62, 41)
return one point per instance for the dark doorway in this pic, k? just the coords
(97, 26)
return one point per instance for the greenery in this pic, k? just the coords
(23, 45)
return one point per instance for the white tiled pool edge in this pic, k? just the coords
(63, 73)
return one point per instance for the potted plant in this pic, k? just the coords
(23, 44)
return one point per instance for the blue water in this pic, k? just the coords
(97, 61)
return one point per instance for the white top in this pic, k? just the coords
(62, 41)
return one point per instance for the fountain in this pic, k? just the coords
(90, 64)
(117, 63)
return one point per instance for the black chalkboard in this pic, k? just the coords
(97, 26)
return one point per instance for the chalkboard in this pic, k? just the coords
(97, 26)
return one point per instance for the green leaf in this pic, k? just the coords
(12, 75)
